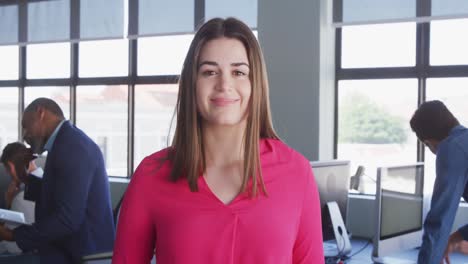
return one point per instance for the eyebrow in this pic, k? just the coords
(236, 64)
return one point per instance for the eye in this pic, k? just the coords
(208, 73)
(239, 73)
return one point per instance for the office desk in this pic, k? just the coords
(364, 256)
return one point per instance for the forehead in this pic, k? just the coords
(224, 49)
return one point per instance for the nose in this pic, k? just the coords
(224, 82)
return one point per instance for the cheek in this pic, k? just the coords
(199, 97)
(246, 93)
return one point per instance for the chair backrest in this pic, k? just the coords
(116, 211)
(117, 190)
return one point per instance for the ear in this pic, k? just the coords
(41, 113)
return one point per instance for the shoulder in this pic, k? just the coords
(461, 140)
(453, 145)
(72, 139)
(156, 165)
(155, 159)
(276, 151)
(281, 162)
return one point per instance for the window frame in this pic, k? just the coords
(131, 80)
(421, 71)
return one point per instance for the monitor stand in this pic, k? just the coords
(343, 243)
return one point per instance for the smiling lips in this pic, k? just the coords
(223, 101)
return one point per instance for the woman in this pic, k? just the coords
(19, 162)
(227, 190)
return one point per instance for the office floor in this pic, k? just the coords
(364, 256)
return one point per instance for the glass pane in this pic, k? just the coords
(374, 126)
(449, 7)
(385, 45)
(48, 61)
(162, 17)
(448, 42)
(453, 92)
(48, 20)
(371, 10)
(245, 10)
(9, 22)
(154, 108)
(101, 19)
(60, 94)
(8, 115)
(103, 58)
(101, 112)
(9, 62)
(162, 55)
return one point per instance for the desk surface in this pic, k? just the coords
(364, 256)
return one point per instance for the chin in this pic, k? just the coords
(37, 148)
(228, 121)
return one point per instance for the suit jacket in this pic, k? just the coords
(33, 188)
(73, 212)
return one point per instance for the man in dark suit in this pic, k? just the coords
(73, 210)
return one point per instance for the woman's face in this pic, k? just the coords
(223, 86)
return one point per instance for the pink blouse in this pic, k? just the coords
(179, 226)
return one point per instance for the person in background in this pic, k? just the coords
(227, 190)
(441, 132)
(73, 211)
(19, 163)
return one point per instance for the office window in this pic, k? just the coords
(48, 20)
(100, 19)
(48, 61)
(9, 21)
(154, 108)
(8, 115)
(101, 141)
(453, 92)
(101, 112)
(104, 58)
(157, 17)
(448, 42)
(373, 125)
(383, 45)
(370, 11)
(162, 55)
(60, 94)
(245, 10)
(9, 62)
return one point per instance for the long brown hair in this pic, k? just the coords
(187, 151)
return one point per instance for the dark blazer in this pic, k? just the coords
(73, 212)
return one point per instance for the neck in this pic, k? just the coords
(51, 124)
(223, 144)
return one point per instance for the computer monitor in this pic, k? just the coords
(399, 210)
(332, 179)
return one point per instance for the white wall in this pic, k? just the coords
(298, 44)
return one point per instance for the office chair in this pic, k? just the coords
(356, 179)
(105, 257)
